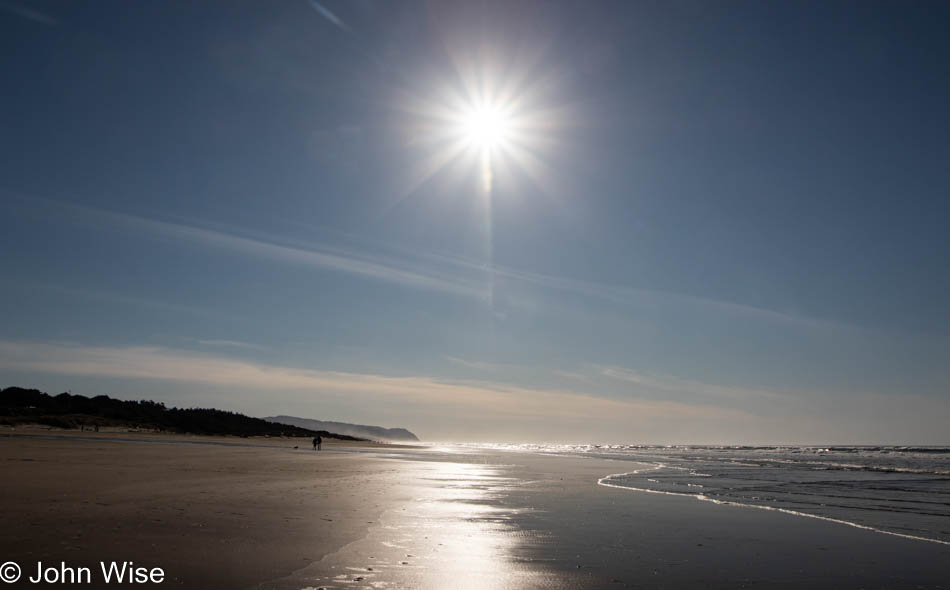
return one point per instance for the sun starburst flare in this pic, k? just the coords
(489, 130)
(497, 121)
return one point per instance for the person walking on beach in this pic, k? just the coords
(317, 441)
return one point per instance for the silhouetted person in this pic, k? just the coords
(317, 441)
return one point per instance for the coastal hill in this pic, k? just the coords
(31, 406)
(371, 432)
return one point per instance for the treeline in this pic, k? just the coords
(19, 406)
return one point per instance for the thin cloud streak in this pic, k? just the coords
(28, 13)
(481, 366)
(487, 398)
(626, 295)
(457, 276)
(670, 384)
(491, 410)
(229, 343)
(143, 302)
(325, 13)
(292, 254)
(629, 295)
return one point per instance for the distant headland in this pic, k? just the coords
(377, 433)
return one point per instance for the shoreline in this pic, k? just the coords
(602, 482)
(658, 540)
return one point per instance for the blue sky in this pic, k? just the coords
(710, 223)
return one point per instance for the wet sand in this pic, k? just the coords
(274, 517)
(222, 515)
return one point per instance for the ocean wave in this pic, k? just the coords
(608, 481)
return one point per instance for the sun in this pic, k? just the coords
(505, 128)
(485, 127)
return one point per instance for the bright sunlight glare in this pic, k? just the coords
(486, 127)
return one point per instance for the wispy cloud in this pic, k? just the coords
(28, 13)
(330, 259)
(327, 14)
(230, 344)
(492, 410)
(670, 384)
(571, 375)
(487, 397)
(480, 365)
(116, 298)
(624, 295)
(447, 274)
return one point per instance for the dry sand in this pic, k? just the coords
(272, 517)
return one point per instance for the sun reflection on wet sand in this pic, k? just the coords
(450, 532)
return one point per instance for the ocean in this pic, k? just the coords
(889, 489)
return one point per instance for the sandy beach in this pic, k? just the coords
(247, 513)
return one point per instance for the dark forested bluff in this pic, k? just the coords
(31, 406)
